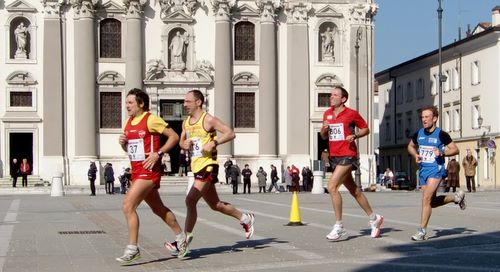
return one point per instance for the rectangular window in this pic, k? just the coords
(399, 95)
(399, 129)
(21, 99)
(409, 92)
(476, 112)
(456, 119)
(324, 100)
(387, 96)
(446, 82)
(434, 84)
(110, 109)
(420, 88)
(446, 121)
(475, 75)
(455, 79)
(387, 130)
(244, 110)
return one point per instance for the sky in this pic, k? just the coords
(405, 29)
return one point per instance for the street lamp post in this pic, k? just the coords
(440, 61)
(357, 173)
(480, 145)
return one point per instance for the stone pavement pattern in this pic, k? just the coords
(82, 233)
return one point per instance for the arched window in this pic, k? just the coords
(244, 41)
(110, 38)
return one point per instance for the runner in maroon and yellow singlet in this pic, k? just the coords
(141, 140)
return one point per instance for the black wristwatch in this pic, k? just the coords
(160, 153)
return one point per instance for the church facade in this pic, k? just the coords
(266, 68)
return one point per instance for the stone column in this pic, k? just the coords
(53, 82)
(297, 80)
(223, 72)
(134, 57)
(85, 79)
(268, 106)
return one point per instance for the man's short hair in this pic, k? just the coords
(433, 109)
(198, 95)
(141, 97)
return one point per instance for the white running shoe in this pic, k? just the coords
(172, 247)
(183, 246)
(129, 256)
(460, 199)
(249, 226)
(337, 232)
(420, 235)
(376, 224)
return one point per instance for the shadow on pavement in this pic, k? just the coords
(237, 247)
(443, 252)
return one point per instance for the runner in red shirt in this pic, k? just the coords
(141, 140)
(339, 124)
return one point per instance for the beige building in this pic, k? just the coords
(266, 68)
(470, 99)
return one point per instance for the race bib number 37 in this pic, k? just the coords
(136, 150)
(336, 132)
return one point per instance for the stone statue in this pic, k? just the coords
(178, 50)
(21, 33)
(327, 45)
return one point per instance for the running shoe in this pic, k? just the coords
(172, 247)
(337, 232)
(420, 235)
(249, 226)
(129, 256)
(376, 224)
(183, 246)
(460, 199)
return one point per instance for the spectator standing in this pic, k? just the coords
(183, 163)
(453, 180)
(92, 175)
(325, 157)
(295, 173)
(246, 173)
(262, 178)
(124, 178)
(227, 166)
(233, 176)
(167, 165)
(287, 176)
(469, 163)
(109, 177)
(274, 179)
(14, 171)
(307, 178)
(25, 171)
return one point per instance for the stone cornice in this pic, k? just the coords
(268, 9)
(84, 8)
(297, 12)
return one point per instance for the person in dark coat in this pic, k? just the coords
(92, 174)
(274, 179)
(246, 173)
(109, 177)
(233, 176)
(453, 180)
(14, 171)
(262, 178)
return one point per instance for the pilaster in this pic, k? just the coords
(134, 51)
(85, 79)
(223, 71)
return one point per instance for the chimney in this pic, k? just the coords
(495, 16)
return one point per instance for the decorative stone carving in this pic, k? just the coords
(222, 8)
(363, 12)
(245, 79)
(206, 67)
(21, 33)
(297, 11)
(268, 9)
(84, 8)
(155, 69)
(110, 78)
(21, 78)
(178, 8)
(134, 8)
(328, 81)
(53, 7)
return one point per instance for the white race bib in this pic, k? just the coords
(427, 154)
(136, 150)
(196, 147)
(336, 132)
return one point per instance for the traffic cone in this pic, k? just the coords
(295, 212)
